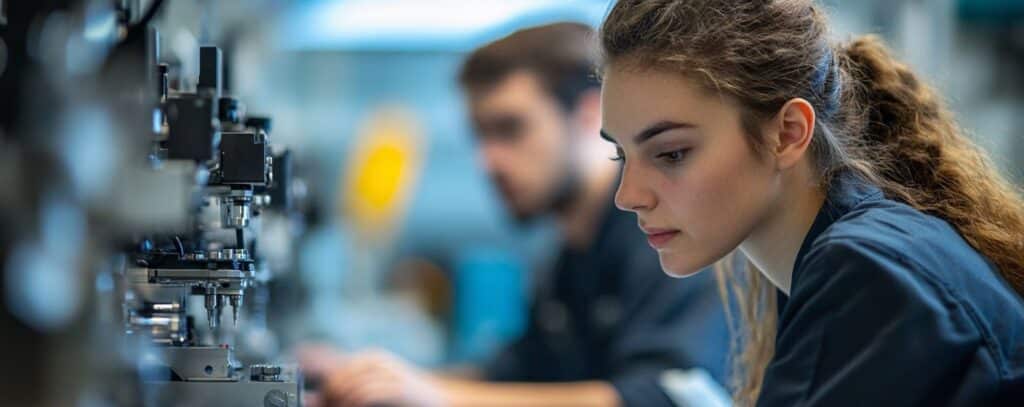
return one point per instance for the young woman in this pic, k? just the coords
(888, 253)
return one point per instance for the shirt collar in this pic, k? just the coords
(845, 192)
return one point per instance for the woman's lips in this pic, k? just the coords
(660, 238)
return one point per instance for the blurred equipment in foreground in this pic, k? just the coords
(128, 207)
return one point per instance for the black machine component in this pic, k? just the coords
(280, 196)
(259, 122)
(211, 71)
(192, 118)
(244, 159)
(192, 122)
(163, 80)
(281, 168)
(230, 112)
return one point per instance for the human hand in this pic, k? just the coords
(373, 378)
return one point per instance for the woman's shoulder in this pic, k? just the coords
(901, 234)
(893, 238)
(892, 251)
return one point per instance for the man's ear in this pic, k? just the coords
(587, 114)
(794, 129)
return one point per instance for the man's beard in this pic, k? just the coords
(559, 199)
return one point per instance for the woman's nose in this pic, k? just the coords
(632, 195)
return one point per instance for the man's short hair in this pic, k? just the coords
(561, 55)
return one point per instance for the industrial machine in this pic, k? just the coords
(232, 163)
(129, 218)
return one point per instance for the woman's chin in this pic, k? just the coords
(677, 268)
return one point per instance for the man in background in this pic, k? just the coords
(607, 327)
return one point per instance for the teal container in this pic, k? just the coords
(490, 303)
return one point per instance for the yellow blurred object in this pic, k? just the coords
(383, 168)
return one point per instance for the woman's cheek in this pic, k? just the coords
(697, 189)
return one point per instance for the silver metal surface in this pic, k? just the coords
(201, 363)
(169, 275)
(236, 303)
(243, 393)
(164, 329)
(212, 307)
(235, 211)
(168, 307)
(210, 376)
(234, 254)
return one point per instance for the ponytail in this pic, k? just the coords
(911, 146)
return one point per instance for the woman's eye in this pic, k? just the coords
(674, 156)
(619, 155)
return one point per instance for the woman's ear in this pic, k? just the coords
(795, 130)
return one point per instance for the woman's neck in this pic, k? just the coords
(775, 243)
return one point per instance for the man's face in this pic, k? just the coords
(523, 136)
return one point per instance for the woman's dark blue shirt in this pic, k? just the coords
(891, 307)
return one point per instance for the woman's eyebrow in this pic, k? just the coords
(652, 131)
(659, 128)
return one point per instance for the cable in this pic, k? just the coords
(181, 247)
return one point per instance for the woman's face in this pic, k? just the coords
(689, 174)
